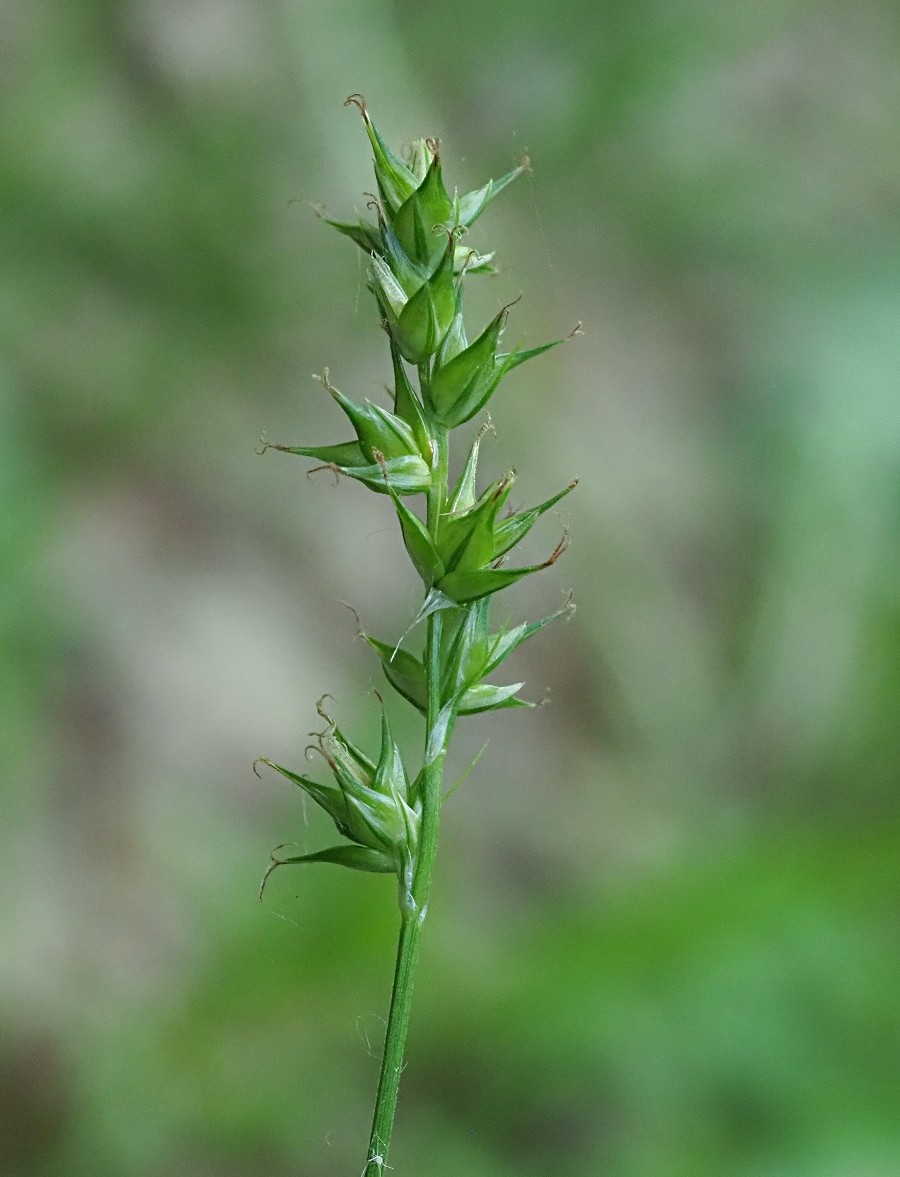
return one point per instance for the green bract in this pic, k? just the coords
(457, 537)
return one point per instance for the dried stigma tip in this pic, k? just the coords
(359, 102)
(360, 630)
(322, 713)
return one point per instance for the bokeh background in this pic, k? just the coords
(663, 940)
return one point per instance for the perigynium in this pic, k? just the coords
(419, 260)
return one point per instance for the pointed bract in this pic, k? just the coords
(473, 204)
(409, 408)
(405, 475)
(396, 182)
(466, 585)
(426, 210)
(365, 234)
(515, 527)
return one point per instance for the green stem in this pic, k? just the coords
(413, 918)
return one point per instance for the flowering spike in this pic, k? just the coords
(417, 272)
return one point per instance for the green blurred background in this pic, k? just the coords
(663, 940)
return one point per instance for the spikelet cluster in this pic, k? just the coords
(418, 262)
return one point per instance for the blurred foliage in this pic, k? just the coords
(664, 933)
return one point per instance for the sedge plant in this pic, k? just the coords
(458, 540)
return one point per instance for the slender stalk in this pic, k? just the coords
(413, 919)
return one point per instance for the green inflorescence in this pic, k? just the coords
(418, 267)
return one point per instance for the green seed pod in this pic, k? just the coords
(425, 319)
(407, 272)
(378, 430)
(391, 296)
(465, 381)
(470, 658)
(515, 527)
(352, 856)
(454, 341)
(463, 495)
(417, 323)
(371, 239)
(404, 672)
(466, 538)
(418, 217)
(472, 541)
(412, 685)
(500, 645)
(402, 476)
(459, 564)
